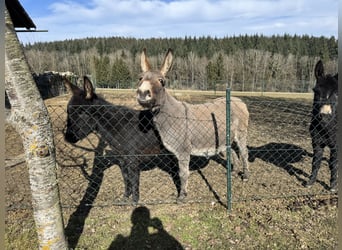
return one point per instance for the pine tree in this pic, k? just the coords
(120, 74)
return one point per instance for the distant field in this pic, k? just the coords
(177, 92)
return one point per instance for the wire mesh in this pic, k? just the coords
(280, 155)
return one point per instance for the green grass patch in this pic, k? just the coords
(270, 224)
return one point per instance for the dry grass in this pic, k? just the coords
(272, 211)
(298, 223)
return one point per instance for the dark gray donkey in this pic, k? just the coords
(126, 131)
(187, 129)
(323, 125)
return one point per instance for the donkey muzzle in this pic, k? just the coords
(325, 110)
(145, 99)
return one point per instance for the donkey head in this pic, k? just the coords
(151, 84)
(80, 121)
(325, 92)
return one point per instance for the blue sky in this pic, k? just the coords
(71, 19)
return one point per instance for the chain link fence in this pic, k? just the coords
(280, 155)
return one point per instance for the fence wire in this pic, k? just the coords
(280, 155)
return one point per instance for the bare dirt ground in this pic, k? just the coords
(280, 163)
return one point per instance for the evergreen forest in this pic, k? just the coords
(242, 63)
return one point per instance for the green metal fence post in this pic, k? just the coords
(228, 152)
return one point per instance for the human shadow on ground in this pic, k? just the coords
(103, 161)
(283, 155)
(76, 222)
(146, 233)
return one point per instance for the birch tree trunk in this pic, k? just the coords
(30, 118)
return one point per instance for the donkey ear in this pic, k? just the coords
(71, 88)
(319, 69)
(167, 62)
(88, 88)
(145, 65)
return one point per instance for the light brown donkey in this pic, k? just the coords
(187, 129)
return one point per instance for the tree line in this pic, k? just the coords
(245, 63)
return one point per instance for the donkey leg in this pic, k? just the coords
(176, 180)
(184, 173)
(132, 180)
(135, 181)
(316, 163)
(234, 161)
(126, 178)
(333, 169)
(127, 182)
(242, 145)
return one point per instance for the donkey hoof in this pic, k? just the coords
(180, 201)
(125, 199)
(134, 203)
(181, 198)
(135, 199)
(333, 189)
(309, 183)
(244, 177)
